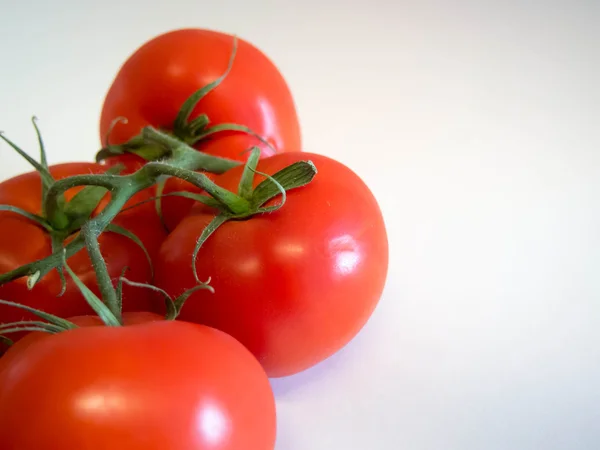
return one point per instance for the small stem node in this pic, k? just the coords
(33, 279)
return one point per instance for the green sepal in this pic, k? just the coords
(43, 157)
(282, 191)
(294, 176)
(206, 232)
(109, 152)
(44, 172)
(150, 152)
(247, 178)
(50, 318)
(117, 229)
(198, 124)
(179, 126)
(112, 126)
(170, 305)
(222, 127)
(180, 301)
(95, 303)
(45, 326)
(38, 220)
(27, 329)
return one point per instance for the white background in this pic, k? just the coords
(476, 124)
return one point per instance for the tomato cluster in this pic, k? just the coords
(291, 283)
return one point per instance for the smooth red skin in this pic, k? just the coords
(174, 208)
(129, 318)
(296, 285)
(152, 85)
(151, 386)
(23, 242)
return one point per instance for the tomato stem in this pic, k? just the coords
(57, 245)
(109, 295)
(173, 306)
(110, 313)
(180, 154)
(180, 161)
(233, 202)
(37, 269)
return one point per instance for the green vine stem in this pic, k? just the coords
(182, 162)
(52, 324)
(109, 294)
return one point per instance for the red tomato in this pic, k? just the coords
(23, 241)
(155, 81)
(153, 386)
(295, 285)
(129, 318)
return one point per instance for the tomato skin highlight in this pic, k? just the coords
(151, 386)
(22, 241)
(295, 285)
(154, 82)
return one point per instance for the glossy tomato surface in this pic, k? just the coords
(147, 386)
(154, 82)
(22, 241)
(294, 285)
(129, 318)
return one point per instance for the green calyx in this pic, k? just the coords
(186, 130)
(250, 201)
(61, 218)
(67, 216)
